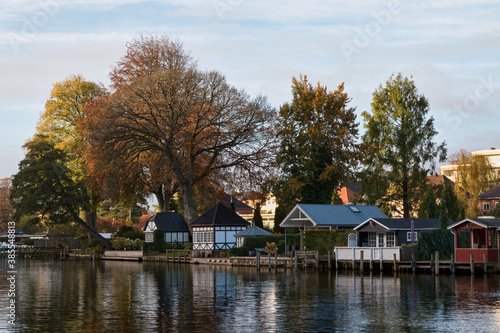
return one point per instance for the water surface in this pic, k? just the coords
(115, 296)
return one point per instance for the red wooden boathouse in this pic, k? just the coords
(484, 240)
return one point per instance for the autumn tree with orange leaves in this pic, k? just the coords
(191, 123)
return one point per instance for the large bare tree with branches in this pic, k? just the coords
(161, 104)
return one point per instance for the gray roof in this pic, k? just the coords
(254, 231)
(483, 222)
(338, 216)
(493, 193)
(404, 223)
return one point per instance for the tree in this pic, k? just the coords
(428, 205)
(474, 175)
(318, 151)
(64, 110)
(257, 217)
(402, 152)
(195, 121)
(6, 209)
(45, 190)
(443, 214)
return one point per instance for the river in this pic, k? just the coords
(115, 296)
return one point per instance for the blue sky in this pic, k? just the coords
(451, 48)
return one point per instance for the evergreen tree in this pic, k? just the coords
(443, 214)
(257, 217)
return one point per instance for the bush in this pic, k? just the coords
(120, 243)
(95, 246)
(251, 243)
(325, 240)
(129, 232)
(431, 241)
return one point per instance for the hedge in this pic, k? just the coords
(430, 241)
(325, 240)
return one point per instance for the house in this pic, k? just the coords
(268, 207)
(216, 228)
(484, 239)
(172, 224)
(387, 232)
(253, 231)
(349, 193)
(492, 154)
(489, 200)
(348, 216)
(240, 207)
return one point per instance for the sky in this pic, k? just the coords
(451, 49)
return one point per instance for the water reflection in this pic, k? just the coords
(157, 297)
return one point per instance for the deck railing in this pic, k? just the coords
(373, 253)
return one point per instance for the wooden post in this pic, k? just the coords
(337, 259)
(472, 264)
(361, 264)
(317, 259)
(395, 268)
(353, 259)
(431, 263)
(329, 262)
(269, 260)
(257, 257)
(485, 264)
(296, 260)
(437, 262)
(371, 260)
(413, 268)
(381, 260)
(452, 264)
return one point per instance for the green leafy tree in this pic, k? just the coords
(45, 190)
(318, 150)
(6, 209)
(64, 110)
(402, 152)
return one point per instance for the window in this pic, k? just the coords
(381, 240)
(149, 237)
(390, 239)
(372, 239)
(486, 206)
(496, 204)
(408, 236)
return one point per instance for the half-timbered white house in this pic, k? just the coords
(216, 229)
(173, 225)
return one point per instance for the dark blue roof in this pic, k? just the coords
(405, 223)
(219, 215)
(169, 222)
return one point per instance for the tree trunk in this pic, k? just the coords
(187, 195)
(91, 221)
(163, 198)
(406, 204)
(92, 232)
